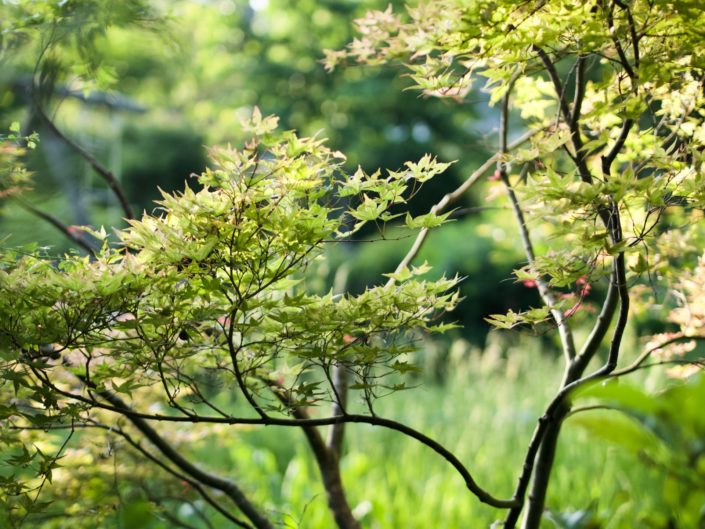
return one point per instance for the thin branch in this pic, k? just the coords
(174, 520)
(236, 366)
(571, 118)
(45, 476)
(618, 46)
(617, 147)
(639, 361)
(566, 335)
(103, 171)
(598, 333)
(580, 83)
(193, 484)
(592, 407)
(390, 424)
(620, 283)
(54, 221)
(226, 486)
(632, 31)
(450, 198)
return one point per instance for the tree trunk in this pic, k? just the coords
(542, 471)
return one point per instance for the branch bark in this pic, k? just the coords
(452, 197)
(327, 459)
(226, 486)
(99, 168)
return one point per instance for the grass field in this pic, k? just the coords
(484, 411)
(485, 414)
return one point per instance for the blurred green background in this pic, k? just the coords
(165, 80)
(163, 90)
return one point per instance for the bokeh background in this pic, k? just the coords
(150, 94)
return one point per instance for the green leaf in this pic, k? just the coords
(617, 428)
(620, 395)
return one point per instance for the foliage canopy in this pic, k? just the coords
(207, 298)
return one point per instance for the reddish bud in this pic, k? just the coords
(572, 310)
(495, 176)
(585, 287)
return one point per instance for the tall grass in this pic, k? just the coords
(485, 412)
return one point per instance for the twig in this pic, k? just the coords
(54, 221)
(566, 335)
(103, 171)
(450, 198)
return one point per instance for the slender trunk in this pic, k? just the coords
(327, 458)
(542, 470)
(226, 486)
(337, 500)
(328, 461)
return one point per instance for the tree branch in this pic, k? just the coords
(390, 424)
(226, 486)
(194, 484)
(639, 361)
(54, 221)
(579, 96)
(104, 172)
(617, 147)
(566, 335)
(572, 119)
(450, 198)
(618, 45)
(599, 331)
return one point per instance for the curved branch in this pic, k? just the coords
(639, 361)
(591, 407)
(390, 424)
(566, 335)
(54, 221)
(193, 484)
(103, 171)
(622, 317)
(598, 333)
(617, 147)
(450, 198)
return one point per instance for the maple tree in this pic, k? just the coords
(599, 154)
